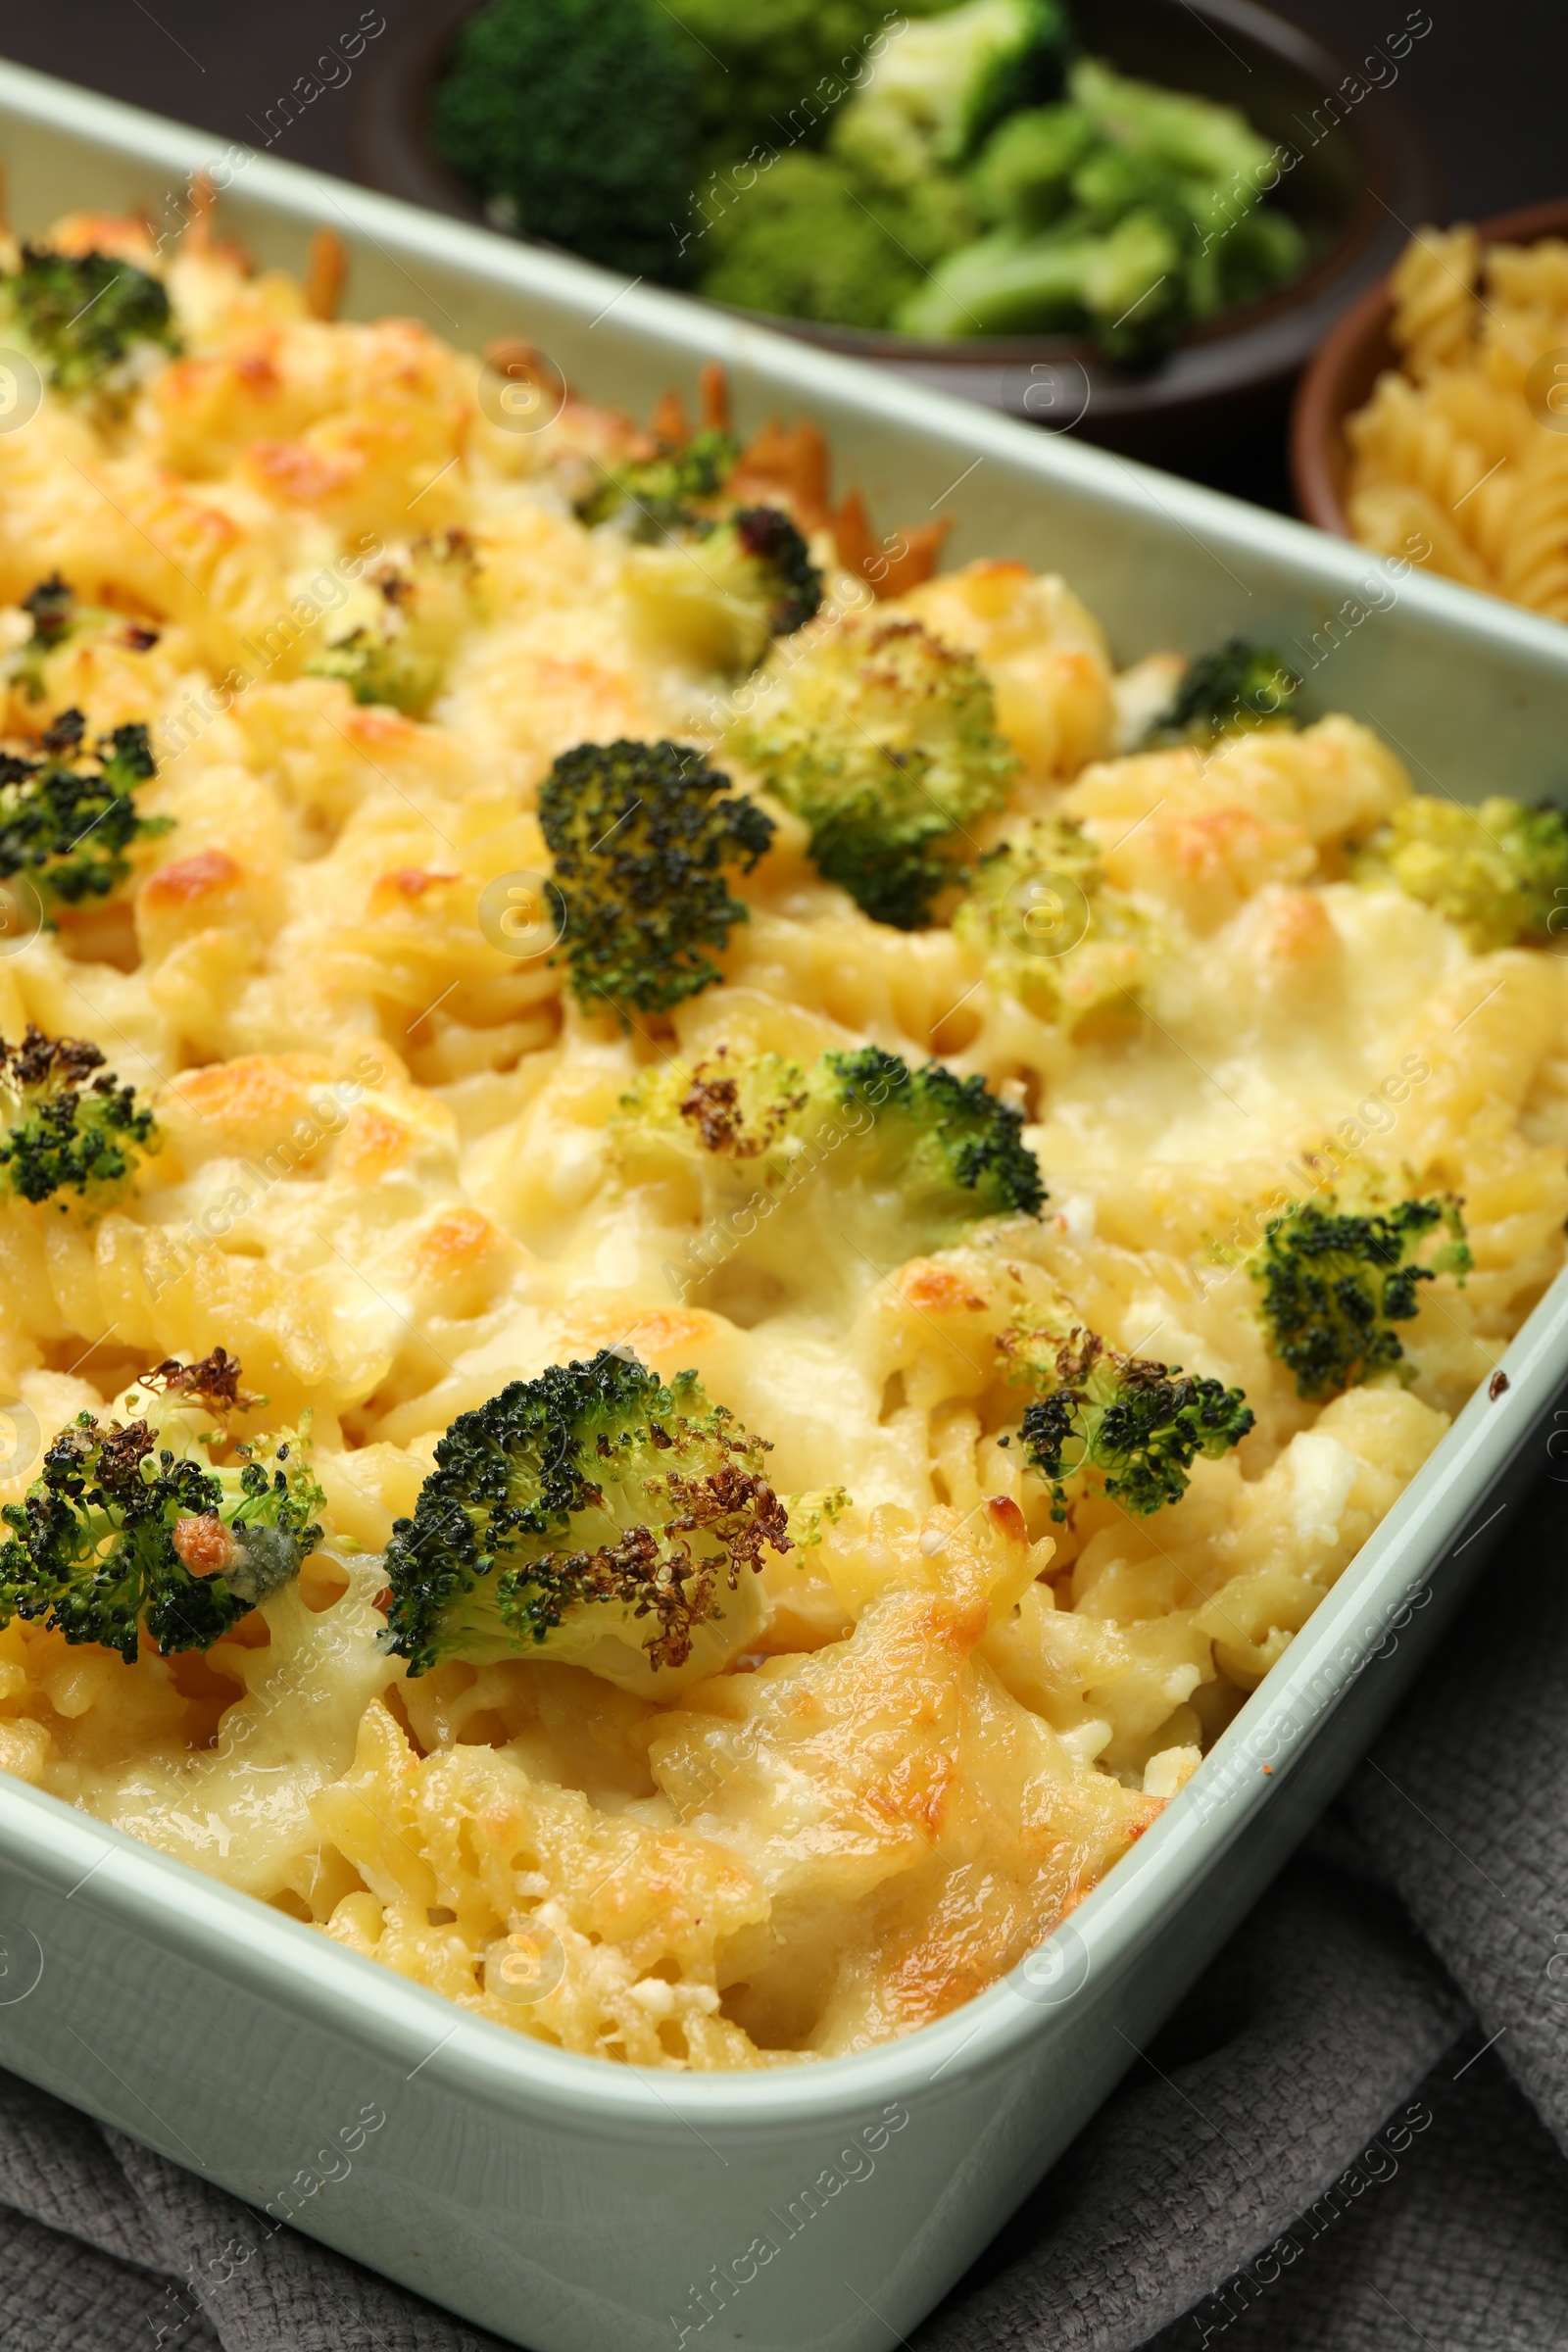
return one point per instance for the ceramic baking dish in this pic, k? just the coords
(574, 2206)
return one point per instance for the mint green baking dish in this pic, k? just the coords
(573, 2206)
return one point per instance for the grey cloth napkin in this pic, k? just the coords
(1350, 2134)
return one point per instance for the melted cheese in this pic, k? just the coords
(390, 1181)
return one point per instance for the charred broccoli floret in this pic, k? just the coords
(717, 600)
(57, 615)
(68, 828)
(577, 119)
(120, 1534)
(1052, 932)
(799, 1187)
(69, 1124)
(1334, 1285)
(940, 85)
(885, 741)
(1499, 871)
(88, 318)
(1138, 1424)
(641, 836)
(666, 492)
(947, 1148)
(52, 609)
(1236, 687)
(592, 1516)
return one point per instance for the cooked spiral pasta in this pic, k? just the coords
(1459, 460)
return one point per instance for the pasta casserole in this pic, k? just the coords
(1459, 460)
(706, 1241)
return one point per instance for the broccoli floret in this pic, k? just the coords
(1244, 259)
(1123, 283)
(717, 600)
(1125, 213)
(1051, 931)
(1139, 1425)
(762, 1157)
(69, 1124)
(641, 838)
(1205, 141)
(1236, 687)
(666, 492)
(1022, 180)
(885, 741)
(592, 1516)
(952, 1151)
(88, 318)
(120, 1534)
(1499, 871)
(1334, 1285)
(68, 828)
(806, 242)
(401, 656)
(1002, 284)
(941, 85)
(369, 666)
(770, 69)
(577, 119)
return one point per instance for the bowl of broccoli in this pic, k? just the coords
(1137, 218)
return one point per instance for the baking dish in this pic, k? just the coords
(574, 2206)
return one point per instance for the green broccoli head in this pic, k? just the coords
(1051, 931)
(1137, 1425)
(806, 242)
(89, 319)
(717, 600)
(426, 601)
(1499, 871)
(941, 85)
(1245, 256)
(1023, 178)
(804, 1185)
(579, 120)
(770, 71)
(1122, 284)
(1334, 1285)
(950, 1151)
(121, 1536)
(641, 836)
(68, 828)
(69, 1124)
(1236, 687)
(594, 1517)
(885, 741)
(669, 491)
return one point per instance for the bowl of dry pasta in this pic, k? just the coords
(1433, 424)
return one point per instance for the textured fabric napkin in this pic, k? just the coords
(1350, 2134)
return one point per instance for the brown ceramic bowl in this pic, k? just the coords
(1353, 177)
(1340, 379)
